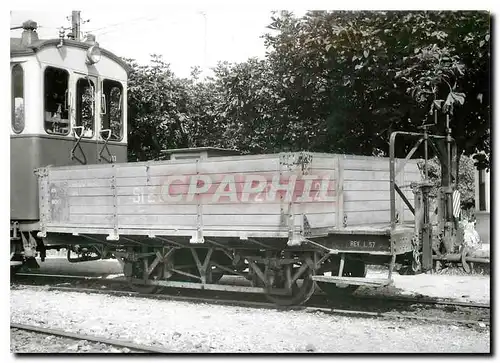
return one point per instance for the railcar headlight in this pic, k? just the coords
(93, 54)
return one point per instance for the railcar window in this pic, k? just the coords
(56, 115)
(17, 117)
(85, 106)
(112, 114)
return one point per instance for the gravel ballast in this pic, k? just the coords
(189, 327)
(22, 341)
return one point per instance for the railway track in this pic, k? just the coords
(401, 299)
(111, 342)
(437, 311)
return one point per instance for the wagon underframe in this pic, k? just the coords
(285, 274)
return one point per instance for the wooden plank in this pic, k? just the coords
(233, 178)
(91, 192)
(83, 173)
(369, 175)
(95, 219)
(364, 185)
(367, 195)
(90, 209)
(214, 194)
(368, 217)
(320, 220)
(209, 166)
(158, 199)
(366, 163)
(315, 220)
(157, 220)
(157, 209)
(166, 168)
(239, 209)
(90, 201)
(85, 183)
(314, 184)
(66, 227)
(243, 220)
(323, 162)
(214, 209)
(361, 206)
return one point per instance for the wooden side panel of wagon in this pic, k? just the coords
(306, 195)
(160, 198)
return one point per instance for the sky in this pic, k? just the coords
(184, 37)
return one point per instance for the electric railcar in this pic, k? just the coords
(68, 102)
(286, 222)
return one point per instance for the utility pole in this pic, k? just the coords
(75, 25)
(204, 14)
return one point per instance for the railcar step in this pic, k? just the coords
(352, 280)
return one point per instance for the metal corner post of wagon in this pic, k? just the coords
(287, 222)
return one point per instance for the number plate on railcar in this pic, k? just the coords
(362, 245)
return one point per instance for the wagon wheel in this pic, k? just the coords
(352, 268)
(301, 290)
(138, 273)
(184, 261)
(222, 259)
(300, 294)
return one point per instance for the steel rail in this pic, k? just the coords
(423, 301)
(399, 316)
(271, 306)
(69, 277)
(91, 338)
(428, 301)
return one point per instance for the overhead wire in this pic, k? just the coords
(112, 25)
(115, 27)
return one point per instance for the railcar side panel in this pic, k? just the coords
(33, 151)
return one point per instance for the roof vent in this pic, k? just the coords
(29, 35)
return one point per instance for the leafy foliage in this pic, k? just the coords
(169, 112)
(465, 176)
(366, 74)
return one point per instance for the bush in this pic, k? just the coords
(465, 181)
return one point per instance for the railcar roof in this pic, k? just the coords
(18, 49)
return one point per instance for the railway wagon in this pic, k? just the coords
(282, 220)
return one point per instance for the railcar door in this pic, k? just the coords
(111, 126)
(85, 119)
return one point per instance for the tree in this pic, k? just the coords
(358, 76)
(168, 112)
